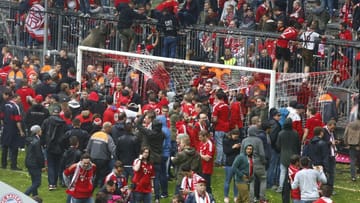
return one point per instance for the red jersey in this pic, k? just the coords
(324, 200)
(237, 112)
(288, 34)
(310, 124)
(80, 186)
(207, 148)
(295, 194)
(142, 177)
(24, 92)
(110, 115)
(163, 102)
(221, 112)
(345, 35)
(151, 106)
(194, 138)
(187, 109)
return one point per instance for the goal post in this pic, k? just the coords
(81, 63)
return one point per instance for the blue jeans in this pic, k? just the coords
(296, 201)
(84, 6)
(54, 161)
(169, 49)
(35, 174)
(283, 174)
(140, 197)
(328, 4)
(84, 200)
(157, 168)
(274, 169)
(353, 159)
(229, 174)
(220, 156)
(164, 175)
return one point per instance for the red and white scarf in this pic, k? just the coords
(202, 200)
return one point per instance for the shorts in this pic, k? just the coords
(282, 53)
(308, 56)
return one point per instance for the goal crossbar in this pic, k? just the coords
(272, 73)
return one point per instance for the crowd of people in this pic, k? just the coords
(130, 145)
(102, 133)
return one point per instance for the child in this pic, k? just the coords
(34, 160)
(294, 167)
(189, 181)
(326, 192)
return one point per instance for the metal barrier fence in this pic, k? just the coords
(200, 42)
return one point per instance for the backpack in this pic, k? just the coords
(56, 141)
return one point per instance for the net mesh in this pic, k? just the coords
(306, 88)
(178, 77)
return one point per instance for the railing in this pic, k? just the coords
(200, 42)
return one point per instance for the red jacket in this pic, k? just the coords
(295, 194)
(82, 186)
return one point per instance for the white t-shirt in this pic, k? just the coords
(308, 38)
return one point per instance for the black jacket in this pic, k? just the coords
(229, 151)
(34, 156)
(82, 135)
(54, 129)
(168, 25)
(318, 151)
(118, 130)
(70, 156)
(127, 16)
(154, 139)
(36, 115)
(274, 133)
(127, 148)
(45, 89)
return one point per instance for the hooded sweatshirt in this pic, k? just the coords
(166, 131)
(288, 142)
(258, 148)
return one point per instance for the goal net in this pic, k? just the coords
(146, 72)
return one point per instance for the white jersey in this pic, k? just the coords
(308, 38)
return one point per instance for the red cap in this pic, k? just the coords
(38, 98)
(97, 121)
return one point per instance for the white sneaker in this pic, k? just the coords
(81, 14)
(226, 200)
(87, 15)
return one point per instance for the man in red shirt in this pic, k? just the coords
(25, 92)
(80, 186)
(312, 122)
(207, 152)
(111, 112)
(151, 105)
(220, 119)
(163, 101)
(282, 45)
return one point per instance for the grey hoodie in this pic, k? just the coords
(258, 151)
(307, 181)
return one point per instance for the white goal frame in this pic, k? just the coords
(272, 73)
